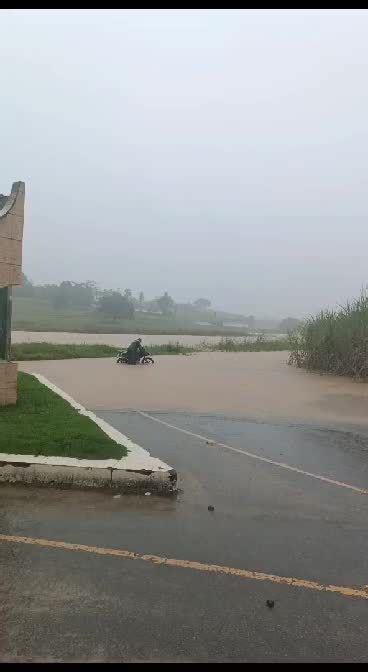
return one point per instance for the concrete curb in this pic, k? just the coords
(30, 472)
(136, 472)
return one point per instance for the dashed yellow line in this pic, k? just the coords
(345, 591)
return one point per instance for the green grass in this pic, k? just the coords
(43, 351)
(246, 345)
(334, 341)
(42, 423)
(38, 351)
(172, 349)
(223, 345)
(27, 352)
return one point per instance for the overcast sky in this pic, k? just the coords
(216, 153)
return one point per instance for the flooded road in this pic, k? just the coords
(272, 508)
(246, 384)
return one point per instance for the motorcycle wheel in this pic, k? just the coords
(147, 360)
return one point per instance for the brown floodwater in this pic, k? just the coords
(250, 385)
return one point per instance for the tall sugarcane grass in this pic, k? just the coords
(334, 341)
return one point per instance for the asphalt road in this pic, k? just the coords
(65, 604)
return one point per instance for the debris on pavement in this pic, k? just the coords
(270, 604)
(146, 494)
(211, 508)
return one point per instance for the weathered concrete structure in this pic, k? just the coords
(11, 236)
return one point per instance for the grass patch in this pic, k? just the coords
(43, 351)
(172, 349)
(42, 423)
(38, 351)
(259, 344)
(334, 341)
(247, 345)
(223, 345)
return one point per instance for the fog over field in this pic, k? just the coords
(215, 153)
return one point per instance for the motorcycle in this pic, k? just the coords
(145, 357)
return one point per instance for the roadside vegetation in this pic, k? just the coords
(42, 423)
(259, 344)
(334, 341)
(43, 351)
(38, 351)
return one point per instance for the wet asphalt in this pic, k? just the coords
(69, 606)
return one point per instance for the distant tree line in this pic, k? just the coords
(122, 304)
(115, 304)
(118, 304)
(68, 294)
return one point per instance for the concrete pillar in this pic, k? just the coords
(11, 236)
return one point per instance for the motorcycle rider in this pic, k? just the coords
(134, 351)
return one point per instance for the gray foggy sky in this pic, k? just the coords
(219, 153)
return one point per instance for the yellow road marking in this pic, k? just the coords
(281, 465)
(345, 591)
